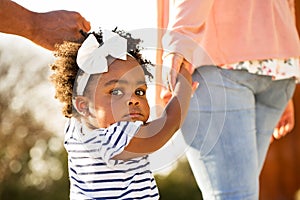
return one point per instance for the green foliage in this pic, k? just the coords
(32, 159)
(179, 184)
(14, 190)
(25, 148)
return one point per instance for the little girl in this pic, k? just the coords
(102, 85)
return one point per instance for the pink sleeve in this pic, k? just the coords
(185, 28)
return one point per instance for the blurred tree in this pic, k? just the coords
(32, 157)
(30, 165)
(180, 184)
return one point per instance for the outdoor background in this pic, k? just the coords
(33, 162)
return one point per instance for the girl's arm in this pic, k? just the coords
(155, 134)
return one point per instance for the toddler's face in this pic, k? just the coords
(120, 94)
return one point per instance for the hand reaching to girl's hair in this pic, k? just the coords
(44, 29)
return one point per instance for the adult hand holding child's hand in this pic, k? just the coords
(172, 64)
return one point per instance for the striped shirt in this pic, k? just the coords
(92, 172)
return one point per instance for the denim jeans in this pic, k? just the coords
(228, 128)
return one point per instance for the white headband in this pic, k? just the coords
(91, 57)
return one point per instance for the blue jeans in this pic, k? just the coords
(228, 128)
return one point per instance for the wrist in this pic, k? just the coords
(183, 86)
(184, 75)
(19, 19)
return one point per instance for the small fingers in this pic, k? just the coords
(195, 86)
(165, 95)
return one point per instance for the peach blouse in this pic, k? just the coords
(256, 35)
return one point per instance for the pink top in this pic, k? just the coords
(230, 31)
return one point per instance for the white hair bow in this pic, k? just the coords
(91, 57)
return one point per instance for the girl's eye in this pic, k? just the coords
(140, 92)
(116, 92)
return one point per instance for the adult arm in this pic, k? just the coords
(185, 28)
(44, 29)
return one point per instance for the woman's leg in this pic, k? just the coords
(221, 131)
(269, 107)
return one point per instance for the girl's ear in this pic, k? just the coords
(82, 105)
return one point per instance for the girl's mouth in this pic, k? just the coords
(134, 116)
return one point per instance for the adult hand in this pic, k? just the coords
(172, 64)
(171, 67)
(44, 29)
(286, 122)
(54, 27)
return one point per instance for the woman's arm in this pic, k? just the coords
(181, 40)
(186, 24)
(44, 29)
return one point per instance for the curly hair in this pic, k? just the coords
(66, 69)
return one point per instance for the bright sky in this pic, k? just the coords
(133, 16)
(130, 14)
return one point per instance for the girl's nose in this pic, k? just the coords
(133, 101)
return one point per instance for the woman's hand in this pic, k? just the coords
(286, 122)
(172, 64)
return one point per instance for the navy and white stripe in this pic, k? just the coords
(94, 175)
